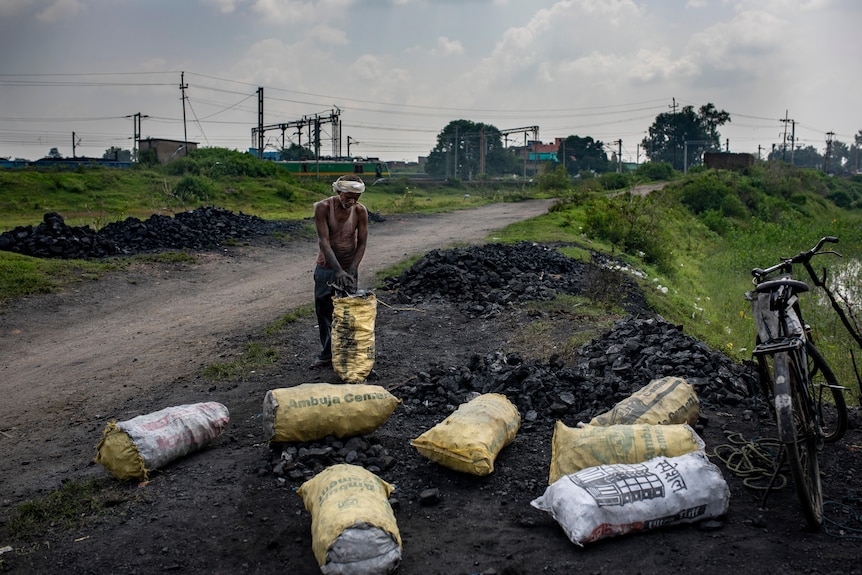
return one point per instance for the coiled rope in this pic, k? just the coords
(753, 460)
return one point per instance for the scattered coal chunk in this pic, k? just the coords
(607, 370)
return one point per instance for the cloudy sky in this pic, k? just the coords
(395, 72)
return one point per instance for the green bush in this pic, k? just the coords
(558, 179)
(614, 181)
(715, 221)
(655, 171)
(633, 224)
(704, 192)
(191, 188)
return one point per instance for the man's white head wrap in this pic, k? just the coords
(348, 186)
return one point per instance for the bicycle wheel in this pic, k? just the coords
(800, 442)
(831, 415)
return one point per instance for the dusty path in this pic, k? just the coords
(62, 353)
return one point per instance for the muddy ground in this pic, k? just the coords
(225, 509)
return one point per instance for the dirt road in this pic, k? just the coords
(120, 335)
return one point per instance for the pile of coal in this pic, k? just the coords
(199, 229)
(301, 461)
(483, 280)
(607, 370)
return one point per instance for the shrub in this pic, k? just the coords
(558, 179)
(191, 188)
(614, 181)
(653, 171)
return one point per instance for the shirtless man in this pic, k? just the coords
(342, 233)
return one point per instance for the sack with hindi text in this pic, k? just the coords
(353, 528)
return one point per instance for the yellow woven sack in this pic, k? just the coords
(470, 439)
(312, 411)
(574, 449)
(353, 528)
(119, 455)
(353, 319)
(664, 401)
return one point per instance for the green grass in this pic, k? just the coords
(259, 354)
(68, 507)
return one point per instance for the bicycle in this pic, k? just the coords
(795, 377)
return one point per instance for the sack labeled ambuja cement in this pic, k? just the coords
(662, 401)
(470, 439)
(353, 319)
(312, 411)
(576, 448)
(132, 449)
(610, 500)
(353, 528)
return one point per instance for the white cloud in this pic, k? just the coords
(741, 42)
(61, 10)
(298, 11)
(447, 47)
(223, 6)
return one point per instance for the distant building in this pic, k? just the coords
(167, 150)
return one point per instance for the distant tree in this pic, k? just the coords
(667, 136)
(295, 153)
(854, 151)
(839, 161)
(118, 154)
(54, 153)
(583, 154)
(459, 152)
(807, 157)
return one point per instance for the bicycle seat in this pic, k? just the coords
(795, 285)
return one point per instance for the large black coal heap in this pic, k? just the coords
(203, 228)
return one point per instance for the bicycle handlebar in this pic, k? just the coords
(801, 257)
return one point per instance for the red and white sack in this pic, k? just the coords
(610, 500)
(132, 449)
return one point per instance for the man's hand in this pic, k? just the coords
(345, 281)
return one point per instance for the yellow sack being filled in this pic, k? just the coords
(353, 319)
(312, 411)
(470, 439)
(353, 528)
(664, 401)
(577, 448)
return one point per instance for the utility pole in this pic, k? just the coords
(792, 140)
(183, 87)
(260, 122)
(136, 134)
(784, 140)
(828, 151)
(349, 141)
(482, 150)
(619, 144)
(673, 132)
(73, 146)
